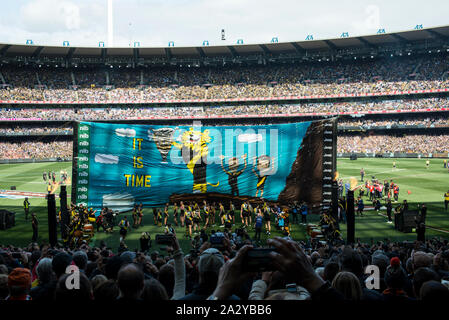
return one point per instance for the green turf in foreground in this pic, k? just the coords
(425, 185)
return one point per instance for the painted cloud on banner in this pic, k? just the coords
(250, 137)
(121, 132)
(106, 158)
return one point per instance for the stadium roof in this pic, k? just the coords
(370, 41)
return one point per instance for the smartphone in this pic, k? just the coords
(16, 255)
(164, 239)
(258, 260)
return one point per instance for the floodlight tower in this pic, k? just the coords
(110, 25)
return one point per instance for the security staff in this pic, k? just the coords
(26, 208)
(446, 200)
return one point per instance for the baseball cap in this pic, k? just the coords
(211, 260)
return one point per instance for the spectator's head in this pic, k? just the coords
(409, 266)
(97, 280)
(421, 276)
(154, 255)
(3, 286)
(130, 280)
(19, 283)
(285, 295)
(434, 291)
(420, 259)
(112, 267)
(66, 293)
(395, 277)
(60, 263)
(3, 269)
(154, 291)
(315, 256)
(44, 270)
(80, 259)
(209, 264)
(380, 260)
(127, 257)
(348, 284)
(330, 271)
(351, 261)
(106, 291)
(167, 278)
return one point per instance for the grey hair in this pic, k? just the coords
(44, 270)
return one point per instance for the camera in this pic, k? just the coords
(291, 288)
(164, 239)
(16, 255)
(258, 260)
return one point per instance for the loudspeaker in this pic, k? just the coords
(65, 218)
(350, 217)
(406, 220)
(13, 187)
(2, 220)
(51, 203)
(7, 219)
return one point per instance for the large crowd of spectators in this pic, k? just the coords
(300, 79)
(426, 122)
(348, 123)
(314, 271)
(36, 150)
(34, 130)
(130, 112)
(410, 143)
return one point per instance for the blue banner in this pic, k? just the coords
(120, 165)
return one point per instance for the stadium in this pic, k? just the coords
(363, 121)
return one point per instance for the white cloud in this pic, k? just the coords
(189, 22)
(250, 137)
(121, 132)
(106, 158)
(51, 15)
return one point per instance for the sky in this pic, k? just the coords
(154, 23)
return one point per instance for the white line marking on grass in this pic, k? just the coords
(12, 180)
(374, 173)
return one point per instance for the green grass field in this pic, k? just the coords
(425, 185)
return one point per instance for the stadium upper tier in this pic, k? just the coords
(389, 75)
(384, 64)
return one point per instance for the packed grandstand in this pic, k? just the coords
(385, 90)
